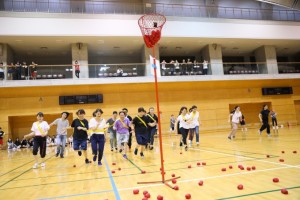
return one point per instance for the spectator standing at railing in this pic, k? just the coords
(177, 68)
(183, 67)
(77, 68)
(26, 70)
(196, 67)
(18, 71)
(172, 67)
(205, 67)
(10, 71)
(33, 67)
(163, 67)
(1, 71)
(189, 66)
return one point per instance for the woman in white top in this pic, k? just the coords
(98, 127)
(184, 125)
(194, 126)
(39, 131)
(236, 116)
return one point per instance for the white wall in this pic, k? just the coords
(35, 24)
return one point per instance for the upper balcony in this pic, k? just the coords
(251, 10)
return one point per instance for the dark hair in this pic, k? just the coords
(80, 111)
(236, 107)
(265, 105)
(181, 109)
(94, 114)
(122, 112)
(125, 109)
(194, 107)
(115, 112)
(141, 109)
(98, 110)
(66, 114)
(40, 114)
(191, 109)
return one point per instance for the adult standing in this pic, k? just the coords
(61, 133)
(139, 127)
(130, 130)
(122, 128)
(205, 67)
(33, 70)
(264, 119)
(26, 70)
(152, 127)
(97, 126)
(112, 132)
(194, 125)
(80, 135)
(77, 68)
(39, 131)
(184, 125)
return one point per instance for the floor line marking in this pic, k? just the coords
(113, 184)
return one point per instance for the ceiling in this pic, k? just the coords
(294, 4)
(132, 46)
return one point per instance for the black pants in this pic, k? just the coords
(151, 133)
(97, 143)
(77, 72)
(39, 142)
(274, 121)
(130, 140)
(264, 126)
(184, 133)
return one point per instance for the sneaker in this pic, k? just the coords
(94, 158)
(87, 161)
(35, 166)
(180, 143)
(111, 149)
(151, 148)
(277, 127)
(99, 163)
(56, 155)
(269, 135)
(61, 156)
(116, 149)
(233, 137)
(142, 154)
(273, 127)
(125, 156)
(79, 153)
(190, 145)
(135, 151)
(197, 143)
(229, 137)
(120, 151)
(186, 148)
(259, 132)
(43, 164)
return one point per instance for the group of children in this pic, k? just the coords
(237, 117)
(120, 127)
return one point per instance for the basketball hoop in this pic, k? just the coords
(151, 26)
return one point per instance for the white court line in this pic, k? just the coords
(259, 160)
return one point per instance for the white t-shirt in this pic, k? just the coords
(99, 128)
(183, 121)
(236, 117)
(194, 117)
(37, 127)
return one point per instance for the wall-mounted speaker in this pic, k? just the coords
(277, 91)
(80, 99)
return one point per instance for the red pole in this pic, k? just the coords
(158, 115)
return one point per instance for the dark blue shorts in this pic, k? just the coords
(141, 138)
(79, 144)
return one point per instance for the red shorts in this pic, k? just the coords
(1, 141)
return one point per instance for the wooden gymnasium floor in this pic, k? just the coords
(60, 180)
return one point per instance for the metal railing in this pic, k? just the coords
(68, 71)
(181, 10)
